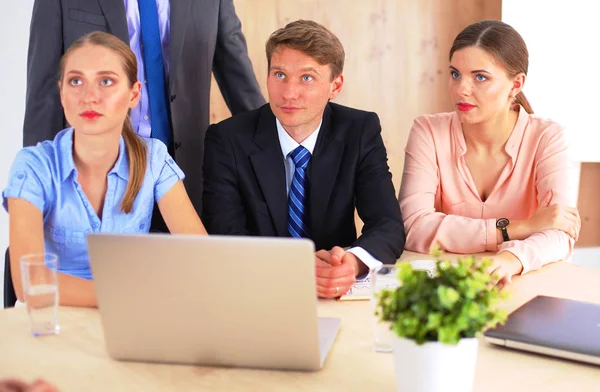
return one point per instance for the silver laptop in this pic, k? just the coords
(552, 326)
(218, 301)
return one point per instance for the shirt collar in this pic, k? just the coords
(67, 164)
(512, 144)
(121, 167)
(288, 144)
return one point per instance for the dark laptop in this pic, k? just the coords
(552, 326)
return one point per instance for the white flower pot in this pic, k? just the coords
(435, 367)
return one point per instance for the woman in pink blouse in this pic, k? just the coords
(490, 176)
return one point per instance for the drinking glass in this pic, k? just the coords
(40, 287)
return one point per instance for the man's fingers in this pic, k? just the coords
(332, 292)
(325, 292)
(344, 281)
(337, 254)
(323, 255)
(334, 271)
(321, 263)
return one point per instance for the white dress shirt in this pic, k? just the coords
(288, 144)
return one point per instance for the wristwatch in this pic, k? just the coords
(502, 224)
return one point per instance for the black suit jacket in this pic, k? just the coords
(205, 36)
(245, 188)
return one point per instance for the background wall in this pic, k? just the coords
(562, 84)
(14, 36)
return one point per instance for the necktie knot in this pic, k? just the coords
(300, 156)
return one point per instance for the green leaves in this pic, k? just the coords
(458, 302)
(448, 296)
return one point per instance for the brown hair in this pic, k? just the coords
(501, 41)
(137, 149)
(313, 40)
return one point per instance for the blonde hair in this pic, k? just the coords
(137, 150)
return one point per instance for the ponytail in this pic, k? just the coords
(522, 100)
(137, 152)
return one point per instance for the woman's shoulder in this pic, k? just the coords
(542, 131)
(541, 124)
(435, 122)
(158, 155)
(434, 126)
(158, 152)
(48, 153)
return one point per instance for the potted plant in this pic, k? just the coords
(436, 320)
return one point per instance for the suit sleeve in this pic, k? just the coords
(223, 209)
(43, 110)
(383, 231)
(232, 66)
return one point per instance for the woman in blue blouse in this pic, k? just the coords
(97, 176)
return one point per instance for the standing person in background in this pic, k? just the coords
(490, 176)
(177, 45)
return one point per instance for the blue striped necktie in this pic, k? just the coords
(155, 71)
(297, 205)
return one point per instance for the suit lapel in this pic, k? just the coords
(324, 168)
(180, 11)
(270, 170)
(114, 12)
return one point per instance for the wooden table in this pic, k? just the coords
(76, 360)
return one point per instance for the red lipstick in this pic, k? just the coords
(464, 107)
(90, 114)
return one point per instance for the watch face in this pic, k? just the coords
(502, 223)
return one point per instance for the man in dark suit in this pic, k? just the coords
(196, 37)
(300, 165)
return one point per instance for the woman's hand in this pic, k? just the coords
(504, 266)
(556, 216)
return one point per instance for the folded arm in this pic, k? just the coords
(556, 173)
(426, 227)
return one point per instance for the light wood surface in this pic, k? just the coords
(76, 359)
(396, 54)
(589, 208)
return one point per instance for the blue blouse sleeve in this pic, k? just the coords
(164, 169)
(29, 179)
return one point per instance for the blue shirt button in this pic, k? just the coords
(141, 226)
(171, 161)
(21, 176)
(85, 203)
(95, 225)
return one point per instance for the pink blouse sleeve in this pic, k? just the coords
(419, 194)
(554, 170)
